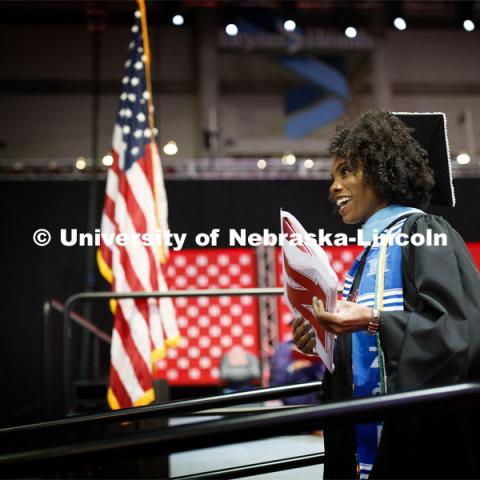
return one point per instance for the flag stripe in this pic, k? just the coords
(130, 344)
(121, 395)
(138, 219)
(138, 253)
(138, 324)
(122, 363)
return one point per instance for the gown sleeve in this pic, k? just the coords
(436, 340)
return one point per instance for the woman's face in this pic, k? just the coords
(355, 199)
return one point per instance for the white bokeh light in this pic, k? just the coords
(351, 32)
(107, 160)
(231, 30)
(468, 25)
(400, 23)
(289, 159)
(463, 158)
(170, 148)
(289, 25)
(178, 20)
(81, 163)
(308, 163)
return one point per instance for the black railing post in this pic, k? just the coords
(96, 358)
(47, 359)
(67, 362)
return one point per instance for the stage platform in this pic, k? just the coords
(247, 453)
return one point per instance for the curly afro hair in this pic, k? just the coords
(393, 163)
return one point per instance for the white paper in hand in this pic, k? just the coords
(306, 274)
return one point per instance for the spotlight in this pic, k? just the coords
(170, 148)
(289, 159)
(289, 25)
(261, 164)
(351, 32)
(178, 20)
(468, 25)
(400, 23)
(463, 158)
(308, 163)
(231, 30)
(107, 160)
(80, 163)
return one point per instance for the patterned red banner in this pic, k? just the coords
(210, 326)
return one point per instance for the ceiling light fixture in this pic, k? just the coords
(261, 164)
(170, 148)
(400, 23)
(351, 32)
(289, 25)
(463, 158)
(178, 20)
(468, 25)
(231, 30)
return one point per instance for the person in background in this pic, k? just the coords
(239, 370)
(289, 366)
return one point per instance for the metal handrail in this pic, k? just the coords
(218, 292)
(255, 427)
(67, 324)
(176, 407)
(82, 321)
(257, 468)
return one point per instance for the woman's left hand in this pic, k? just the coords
(349, 317)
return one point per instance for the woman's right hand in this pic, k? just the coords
(303, 336)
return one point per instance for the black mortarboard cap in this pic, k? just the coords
(430, 131)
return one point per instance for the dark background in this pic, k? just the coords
(31, 274)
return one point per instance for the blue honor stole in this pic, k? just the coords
(380, 286)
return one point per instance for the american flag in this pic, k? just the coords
(135, 203)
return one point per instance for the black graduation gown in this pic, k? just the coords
(434, 342)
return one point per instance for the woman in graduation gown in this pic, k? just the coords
(410, 317)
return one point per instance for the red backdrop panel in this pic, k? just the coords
(474, 248)
(210, 326)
